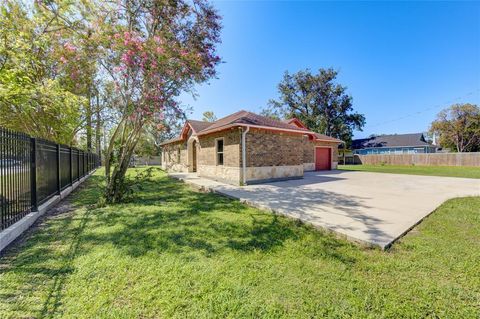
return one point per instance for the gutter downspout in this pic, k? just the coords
(244, 156)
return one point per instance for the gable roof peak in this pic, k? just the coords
(198, 126)
(296, 122)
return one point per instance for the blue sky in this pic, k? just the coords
(401, 61)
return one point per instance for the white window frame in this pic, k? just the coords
(217, 152)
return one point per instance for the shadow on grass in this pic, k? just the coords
(165, 217)
(43, 258)
(53, 300)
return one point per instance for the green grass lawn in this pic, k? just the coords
(174, 252)
(452, 171)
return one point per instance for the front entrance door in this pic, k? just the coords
(194, 156)
(323, 158)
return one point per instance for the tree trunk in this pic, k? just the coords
(88, 114)
(116, 181)
(98, 125)
(116, 187)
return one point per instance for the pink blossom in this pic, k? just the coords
(127, 57)
(69, 47)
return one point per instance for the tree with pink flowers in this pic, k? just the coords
(58, 58)
(152, 51)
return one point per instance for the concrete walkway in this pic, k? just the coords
(373, 208)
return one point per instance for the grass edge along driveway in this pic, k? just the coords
(445, 171)
(175, 253)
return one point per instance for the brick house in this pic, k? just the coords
(245, 148)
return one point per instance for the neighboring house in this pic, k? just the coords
(393, 144)
(245, 148)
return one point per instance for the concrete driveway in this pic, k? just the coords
(373, 208)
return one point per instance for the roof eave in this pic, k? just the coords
(331, 141)
(269, 128)
(171, 142)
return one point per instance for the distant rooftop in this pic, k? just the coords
(395, 140)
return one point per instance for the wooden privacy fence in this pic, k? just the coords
(34, 170)
(425, 159)
(148, 160)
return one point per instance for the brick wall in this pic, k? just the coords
(231, 148)
(308, 149)
(266, 148)
(207, 166)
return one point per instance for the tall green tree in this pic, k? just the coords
(319, 102)
(37, 94)
(458, 127)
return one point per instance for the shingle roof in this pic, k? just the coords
(172, 140)
(318, 136)
(323, 137)
(199, 125)
(396, 140)
(295, 121)
(245, 117)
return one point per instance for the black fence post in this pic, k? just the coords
(33, 174)
(59, 186)
(3, 198)
(71, 168)
(81, 161)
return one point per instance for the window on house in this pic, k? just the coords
(219, 148)
(178, 155)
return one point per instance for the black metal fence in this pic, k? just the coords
(33, 170)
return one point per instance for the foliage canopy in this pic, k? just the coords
(318, 101)
(458, 127)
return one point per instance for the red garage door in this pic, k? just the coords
(322, 158)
